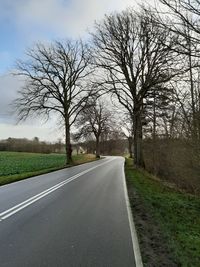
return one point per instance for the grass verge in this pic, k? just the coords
(167, 221)
(15, 166)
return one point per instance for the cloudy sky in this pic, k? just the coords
(24, 22)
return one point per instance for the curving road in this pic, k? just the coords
(72, 217)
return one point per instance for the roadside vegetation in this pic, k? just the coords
(167, 220)
(19, 165)
(150, 87)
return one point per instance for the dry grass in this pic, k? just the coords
(175, 161)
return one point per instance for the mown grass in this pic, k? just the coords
(15, 166)
(176, 214)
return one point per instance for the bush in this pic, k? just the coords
(174, 160)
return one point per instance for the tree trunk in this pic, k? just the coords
(138, 154)
(130, 144)
(97, 147)
(154, 132)
(67, 143)
(194, 130)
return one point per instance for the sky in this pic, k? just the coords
(25, 22)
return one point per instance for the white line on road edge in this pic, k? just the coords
(136, 247)
(7, 213)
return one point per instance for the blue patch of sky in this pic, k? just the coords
(14, 40)
(9, 45)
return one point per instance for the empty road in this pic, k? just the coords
(72, 217)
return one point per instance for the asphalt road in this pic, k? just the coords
(72, 217)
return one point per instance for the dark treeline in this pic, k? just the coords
(112, 147)
(33, 146)
(144, 64)
(107, 147)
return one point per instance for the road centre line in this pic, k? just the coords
(9, 212)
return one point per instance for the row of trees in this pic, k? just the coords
(114, 145)
(26, 145)
(94, 120)
(146, 61)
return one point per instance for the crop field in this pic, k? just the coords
(19, 165)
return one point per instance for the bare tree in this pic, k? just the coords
(129, 48)
(184, 22)
(187, 12)
(94, 120)
(55, 82)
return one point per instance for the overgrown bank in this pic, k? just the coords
(16, 166)
(175, 160)
(167, 221)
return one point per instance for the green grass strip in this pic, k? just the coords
(177, 214)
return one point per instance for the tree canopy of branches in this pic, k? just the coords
(184, 22)
(187, 12)
(55, 82)
(129, 49)
(94, 119)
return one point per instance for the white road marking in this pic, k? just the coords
(136, 247)
(9, 212)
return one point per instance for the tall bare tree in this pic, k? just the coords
(186, 14)
(94, 120)
(55, 82)
(129, 48)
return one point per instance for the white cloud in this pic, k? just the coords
(62, 18)
(9, 85)
(44, 132)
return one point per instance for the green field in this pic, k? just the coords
(168, 221)
(19, 165)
